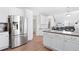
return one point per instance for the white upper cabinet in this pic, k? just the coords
(43, 19)
(5, 11)
(59, 42)
(3, 19)
(3, 14)
(59, 19)
(43, 22)
(15, 11)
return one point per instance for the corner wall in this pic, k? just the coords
(29, 17)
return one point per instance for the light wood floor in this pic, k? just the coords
(34, 45)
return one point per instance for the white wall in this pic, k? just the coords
(42, 19)
(38, 25)
(29, 17)
(67, 20)
(34, 24)
(25, 26)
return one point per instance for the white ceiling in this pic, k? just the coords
(52, 10)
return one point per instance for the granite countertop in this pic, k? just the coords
(62, 32)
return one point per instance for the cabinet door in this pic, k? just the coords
(43, 20)
(71, 43)
(67, 42)
(59, 41)
(48, 40)
(4, 42)
(41, 32)
(54, 41)
(47, 43)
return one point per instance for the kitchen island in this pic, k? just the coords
(61, 40)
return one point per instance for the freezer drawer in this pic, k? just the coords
(23, 39)
(18, 40)
(15, 41)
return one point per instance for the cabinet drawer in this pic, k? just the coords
(75, 40)
(4, 34)
(72, 39)
(4, 42)
(71, 43)
(50, 35)
(4, 38)
(70, 46)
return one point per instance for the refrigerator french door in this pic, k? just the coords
(16, 31)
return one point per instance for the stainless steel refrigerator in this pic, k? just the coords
(16, 31)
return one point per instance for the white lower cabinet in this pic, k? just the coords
(61, 42)
(4, 42)
(54, 41)
(71, 43)
(48, 41)
(70, 46)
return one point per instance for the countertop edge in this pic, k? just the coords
(61, 32)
